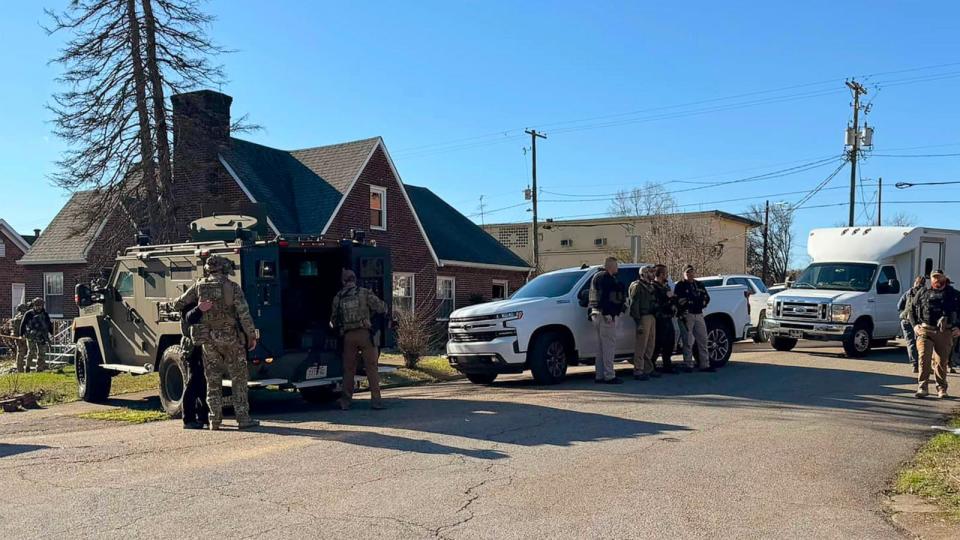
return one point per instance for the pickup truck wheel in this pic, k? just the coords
(783, 344)
(719, 343)
(93, 382)
(857, 344)
(319, 394)
(548, 358)
(173, 374)
(481, 378)
(760, 335)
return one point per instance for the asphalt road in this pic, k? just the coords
(775, 445)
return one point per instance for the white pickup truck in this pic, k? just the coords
(543, 327)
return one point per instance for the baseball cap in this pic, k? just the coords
(937, 273)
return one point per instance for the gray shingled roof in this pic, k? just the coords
(454, 237)
(64, 241)
(301, 189)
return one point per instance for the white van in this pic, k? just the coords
(849, 292)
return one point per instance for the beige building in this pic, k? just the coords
(564, 244)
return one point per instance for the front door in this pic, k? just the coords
(626, 326)
(931, 257)
(888, 290)
(19, 296)
(123, 317)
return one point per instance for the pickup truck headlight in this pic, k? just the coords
(840, 312)
(770, 302)
(510, 315)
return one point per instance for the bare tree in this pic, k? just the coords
(676, 239)
(779, 241)
(901, 219)
(123, 58)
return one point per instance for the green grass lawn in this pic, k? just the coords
(61, 386)
(935, 472)
(130, 416)
(430, 369)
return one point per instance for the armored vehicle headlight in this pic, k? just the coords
(840, 312)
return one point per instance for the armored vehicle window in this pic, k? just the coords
(155, 284)
(124, 285)
(181, 273)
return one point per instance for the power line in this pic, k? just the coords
(817, 189)
(914, 155)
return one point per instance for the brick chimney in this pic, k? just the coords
(201, 132)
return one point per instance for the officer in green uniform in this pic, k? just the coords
(19, 345)
(37, 328)
(351, 313)
(225, 332)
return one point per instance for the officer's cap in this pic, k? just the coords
(218, 264)
(37, 301)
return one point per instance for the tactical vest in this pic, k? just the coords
(15, 324)
(352, 310)
(219, 323)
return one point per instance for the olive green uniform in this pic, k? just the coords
(351, 312)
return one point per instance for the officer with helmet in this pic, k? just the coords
(224, 333)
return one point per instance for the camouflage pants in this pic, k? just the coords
(230, 359)
(36, 352)
(20, 353)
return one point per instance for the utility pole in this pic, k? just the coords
(880, 202)
(766, 234)
(857, 90)
(534, 135)
(481, 211)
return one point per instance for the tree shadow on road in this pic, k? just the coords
(496, 421)
(7, 450)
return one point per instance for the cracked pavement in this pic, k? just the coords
(774, 445)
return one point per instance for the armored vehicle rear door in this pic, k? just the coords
(260, 280)
(374, 271)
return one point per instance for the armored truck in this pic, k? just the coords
(288, 281)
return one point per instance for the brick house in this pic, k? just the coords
(438, 254)
(12, 276)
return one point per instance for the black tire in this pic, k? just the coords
(857, 344)
(760, 335)
(93, 382)
(319, 394)
(783, 344)
(548, 357)
(173, 376)
(719, 343)
(481, 378)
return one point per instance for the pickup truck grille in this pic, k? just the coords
(479, 337)
(802, 311)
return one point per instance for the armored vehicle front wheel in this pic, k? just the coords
(173, 373)
(93, 382)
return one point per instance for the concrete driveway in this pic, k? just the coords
(775, 445)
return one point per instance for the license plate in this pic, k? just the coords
(316, 372)
(798, 334)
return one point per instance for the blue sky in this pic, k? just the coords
(451, 85)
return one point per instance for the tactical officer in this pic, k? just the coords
(934, 316)
(224, 334)
(351, 313)
(607, 302)
(643, 308)
(19, 345)
(904, 305)
(195, 410)
(666, 338)
(37, 329)
(692, 299)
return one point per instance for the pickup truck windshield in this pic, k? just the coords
(837, 277)
(549, 285)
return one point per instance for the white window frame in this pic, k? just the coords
(382, 191)
(17, 300)
(506, 288)
(3, 249)
(413, 289)
(46, 293)
(453, 293)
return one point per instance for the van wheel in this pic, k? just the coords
(93, 382)
(173, 374)
(548, 358)
(783, 344)
(857, 345)
(760, 335)
(319, 394)
(481, 378)
(719, 343)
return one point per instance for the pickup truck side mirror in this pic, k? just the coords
(584, 297)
